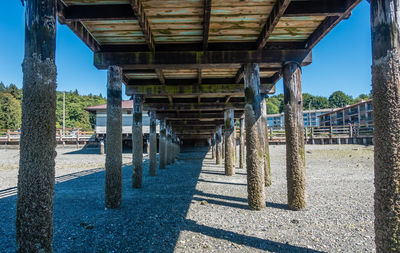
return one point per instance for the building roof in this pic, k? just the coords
(126, 104)
(346, 107)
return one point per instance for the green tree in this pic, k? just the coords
(272, 108)
(339, 99)
(361, 97)
(320, 102)
(2, 87)
(10, 111)
(14, 91)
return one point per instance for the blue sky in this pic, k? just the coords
(341, 61)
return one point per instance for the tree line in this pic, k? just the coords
(337, 99)
(75, 115)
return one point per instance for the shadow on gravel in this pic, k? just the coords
(216, 182)
(149, 220)
(96, 151)
(245, 239)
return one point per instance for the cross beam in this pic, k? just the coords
(192, 106)
(273, 19)
(200, 89)
(196, 59)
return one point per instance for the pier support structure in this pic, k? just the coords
(169, 145)
(34, 219)
(213, 146)
(113, 196)
(386, 103)
(153, 144)
(241, 145)
(230, 142)
(267, 161)
(162, 143)
(137, 142)
(254, 137)
(294, 126)
(218, 150)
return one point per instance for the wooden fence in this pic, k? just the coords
(71, 136)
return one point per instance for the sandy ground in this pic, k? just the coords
(192, 207)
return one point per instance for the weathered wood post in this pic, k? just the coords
(114, 138)
(294, 126)
(34, 219)
(230, 142)
(162, 152)
(137, 142)
(218, 152)
(254, 138)
(267, 161)
(153, 144)
(223, 144)
(241, 144)
(385, 23)
(213, 146)
(169, 142)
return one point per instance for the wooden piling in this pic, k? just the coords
(213, 146)
(230, 142)
(34, 218)
(137, 142)
(153, 144)
(254, 138)
(113, 196)
(241, 145)
(294, 126)
(162, 152)
(218, 152)
(386, 103)
(267, 161)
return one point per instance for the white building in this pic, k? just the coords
(310, 118)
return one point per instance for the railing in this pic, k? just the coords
(71, 135)
(326, 132)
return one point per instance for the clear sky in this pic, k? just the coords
(341, 61)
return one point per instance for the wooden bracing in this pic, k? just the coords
(188, 55)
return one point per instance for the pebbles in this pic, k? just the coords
(193, 207)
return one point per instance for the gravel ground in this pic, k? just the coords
(192, 207)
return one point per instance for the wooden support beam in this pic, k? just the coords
(163, 148)
(35, 198)
(196, 122)
(196, 114)
(193, 81)
(206, 23)
(113, 194)
(254, 138)
(171, 100)
(386, 103)
(196, 59)
(315, 8)
(329, 23)
(169, 90)
(199, 73)
(230, 142)
(76, 27)
(192, 106)
(160, 76)
(219, 145)
(137, 7)
(239, 75)
(153, 144)
(273, 19)
(228, 98)
(137, 142)
(294, 126)
(102, 12)
(98, 12)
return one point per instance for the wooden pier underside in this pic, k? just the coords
(186, 57)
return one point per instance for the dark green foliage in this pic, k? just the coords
(10, 112)
(75, 115)
(339, 99)
(336, 99)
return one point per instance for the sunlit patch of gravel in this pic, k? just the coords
(192, 207)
